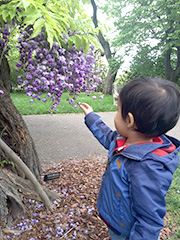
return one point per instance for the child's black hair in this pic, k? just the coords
(154, 103)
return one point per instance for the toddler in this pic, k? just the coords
(141, 158)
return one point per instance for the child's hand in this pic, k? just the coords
(86, 108)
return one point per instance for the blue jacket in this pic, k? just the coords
(132, 195)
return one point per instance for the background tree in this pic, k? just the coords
(152, 23)
(113, 62)
(146, 63)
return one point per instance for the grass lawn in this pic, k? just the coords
(173, 205)
(21, 101)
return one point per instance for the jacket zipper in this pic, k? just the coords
(107, 166)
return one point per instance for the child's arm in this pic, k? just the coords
(95, 124)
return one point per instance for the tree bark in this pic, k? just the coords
(111, 75)
(172, 74)
(108, 86)
(12, 190)
(21, 165)
(15, 134)
(13, 129)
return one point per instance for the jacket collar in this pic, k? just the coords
(138, 151)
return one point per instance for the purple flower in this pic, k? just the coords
(35, 214)
(71, 101)
(57, 69)
(94, 97)
(28, 76)
(33, 221)
(56, 45)
(19, 10)
(17, 234)
(35, 89)
(48, 236)
(46, 88)
(101, 97)
(51, 60)
(92, 47)
(44, 100)
(29, 94)
(26, 82)
(62, 60)
(1, 92)
(45, 51)
(18, 64)
(31, 67)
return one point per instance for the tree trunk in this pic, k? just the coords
(12, 190)
(172, 74)
(110, 78)
(108, 87)
(13, 129)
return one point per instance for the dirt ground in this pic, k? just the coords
(74, 215)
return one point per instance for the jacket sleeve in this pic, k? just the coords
(99, 129)
(149, 183)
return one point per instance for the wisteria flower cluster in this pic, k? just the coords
(55, 70)
(4, 39)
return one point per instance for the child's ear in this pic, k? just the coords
(130, 120)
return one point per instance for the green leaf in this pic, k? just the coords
(51, 20)
(5, 14)
(94, 42)
(50, 34)
(85, 45)
(70, 42)
(37, 27)
(12, 14)
(78, 42)
(26, 3)
(1, 21)
(40, 1)
(31, 16)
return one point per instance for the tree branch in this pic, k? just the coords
(17, 160)
(168, 68)
(100, 36)
(178, 57)
(177, 70)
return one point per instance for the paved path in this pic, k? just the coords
(63, 137)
